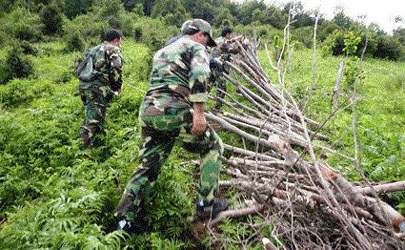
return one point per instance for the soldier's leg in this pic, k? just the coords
(153, 152)
(210, 147)
(95, 109)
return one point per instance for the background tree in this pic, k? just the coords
(341, 19)
(72, 8)
(224, 18)
(247, 9)
(146, 4)
(275, 17)
(109, 8)
(399, 34)
(172, 10)
(201, 9)
(130, 4)
(302, 18)
(5, 6)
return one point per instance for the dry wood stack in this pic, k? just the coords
(279, 177)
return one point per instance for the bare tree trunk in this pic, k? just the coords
(337, 86)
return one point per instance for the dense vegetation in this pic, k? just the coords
(53, 195)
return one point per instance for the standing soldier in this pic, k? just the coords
(105, 81)
(183, 28)
(173, 109)
(225, 47)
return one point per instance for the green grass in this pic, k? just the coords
(54, 196)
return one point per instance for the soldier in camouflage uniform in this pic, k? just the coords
(173, 109)
(183, 29)
(97, 93)
(221, 53)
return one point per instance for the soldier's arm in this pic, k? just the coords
(115, 65)
(198, 75)
(198, 78)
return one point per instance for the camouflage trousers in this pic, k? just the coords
(166, 119)
(221, 90)
(95, 108)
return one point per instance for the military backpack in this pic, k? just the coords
(85, 68)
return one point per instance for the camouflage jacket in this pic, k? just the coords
(107, 61)
(181, 67)
(224, 48)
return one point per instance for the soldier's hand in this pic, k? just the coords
(199, 122)
(239, 38)
(199, 125)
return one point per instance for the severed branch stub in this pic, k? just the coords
(308, 203)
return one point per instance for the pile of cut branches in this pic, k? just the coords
(280, 178)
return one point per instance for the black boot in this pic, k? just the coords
(207, 209)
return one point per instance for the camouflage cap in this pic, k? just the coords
(204, 26)
(185, 26)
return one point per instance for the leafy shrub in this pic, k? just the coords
(16, 65)
(51, 17)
